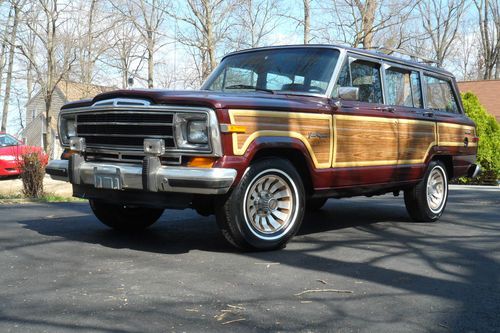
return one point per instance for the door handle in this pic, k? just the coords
(428, 114)
(385, 108)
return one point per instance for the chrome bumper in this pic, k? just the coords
(150, 176)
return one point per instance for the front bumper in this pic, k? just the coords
(9, 168)
(149, 176)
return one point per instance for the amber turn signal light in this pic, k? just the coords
(229, 128)
(67, 154)
(201, 162)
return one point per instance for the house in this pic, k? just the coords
(488, 92)
(66, 91)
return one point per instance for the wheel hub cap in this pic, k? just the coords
(436, 190)
(269, 204)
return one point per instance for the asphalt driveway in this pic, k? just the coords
(358, 265)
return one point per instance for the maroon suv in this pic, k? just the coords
(271, 133)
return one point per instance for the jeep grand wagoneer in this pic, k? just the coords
(272, 132)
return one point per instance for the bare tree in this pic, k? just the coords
(489, 27)
(206, 25)
(94, 25)
(10, 65)
(440, 21)
(55, 55)
(257, 20)
(147, 17)
(126, 53)
(362, 22)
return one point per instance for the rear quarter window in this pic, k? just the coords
(440, 96)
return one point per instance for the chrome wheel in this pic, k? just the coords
(436, 190)
(269, 204)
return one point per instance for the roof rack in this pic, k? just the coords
(413, 57)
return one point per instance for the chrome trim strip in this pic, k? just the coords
(119, 123)
(122, 102)
(127, 135)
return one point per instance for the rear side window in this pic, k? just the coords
(440, 95)
(364, 75)
(403, 88)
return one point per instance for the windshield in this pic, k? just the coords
(7, 140)
(302, 70)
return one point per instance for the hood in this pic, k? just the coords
(216, 100)
(18, 150)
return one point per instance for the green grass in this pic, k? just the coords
(47, 197)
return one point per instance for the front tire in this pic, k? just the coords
(124, 218)
(266, 208)
(315, 204)
(425, 202)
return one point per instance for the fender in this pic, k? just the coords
(278, 143)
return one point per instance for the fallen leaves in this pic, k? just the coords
(231, 311)
(268, 264)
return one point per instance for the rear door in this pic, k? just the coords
(417, 130)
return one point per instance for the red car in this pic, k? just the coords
(11, 151)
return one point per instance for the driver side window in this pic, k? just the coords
(363, 75)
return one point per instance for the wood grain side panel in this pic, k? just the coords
(416, 138)
(365, 141)
(454, 135)
(314, 130)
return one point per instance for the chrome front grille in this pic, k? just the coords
(125, 129)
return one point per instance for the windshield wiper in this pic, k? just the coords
(246, 86)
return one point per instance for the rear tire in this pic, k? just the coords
(425, 202)
(124, 218)
(265, 209)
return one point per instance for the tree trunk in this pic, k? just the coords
(210, 43)
(497, 69)
(50, 82)
(151, 62)
(4, 47)
(10, 65)
(29, 80)
(368, 19)
(307, 21)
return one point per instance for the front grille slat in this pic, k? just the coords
(124, 129)
(127, 117)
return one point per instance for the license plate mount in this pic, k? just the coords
(107, 177)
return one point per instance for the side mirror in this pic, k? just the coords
(349, 93)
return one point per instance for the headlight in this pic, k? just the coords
(67, 128)
(197, 131)
(191, 131)
(7, 158)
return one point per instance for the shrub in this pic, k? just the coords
(32, 172)
(488, 130)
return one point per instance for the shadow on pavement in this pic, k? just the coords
(457, 269)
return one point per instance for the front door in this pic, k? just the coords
(365, 130)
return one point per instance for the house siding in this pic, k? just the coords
(33, 133)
